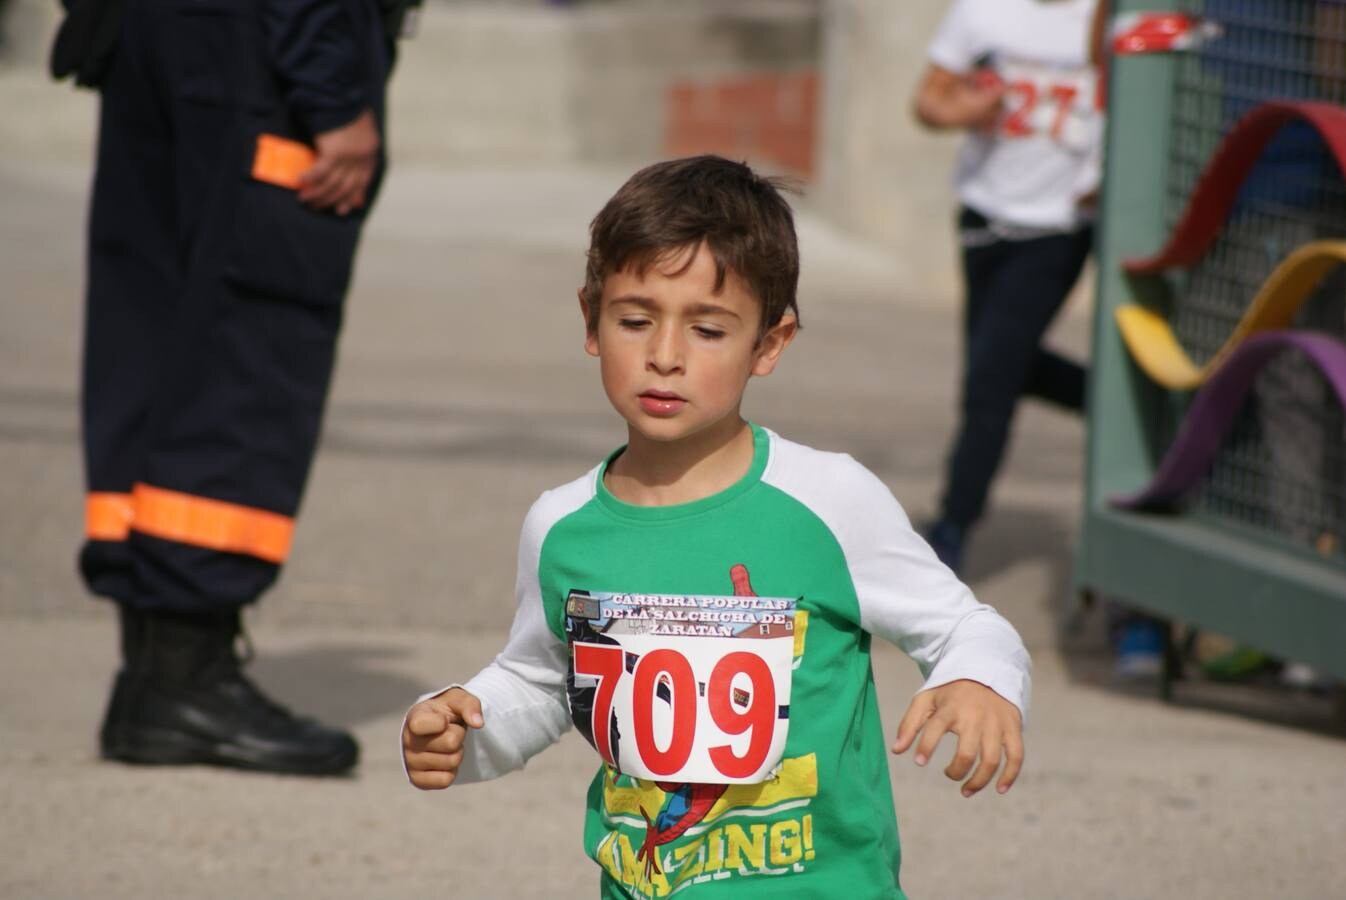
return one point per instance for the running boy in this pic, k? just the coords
(700, 605)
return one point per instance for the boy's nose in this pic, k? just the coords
(665, 352)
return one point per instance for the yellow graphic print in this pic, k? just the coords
(706, 848)
(801, 629)
(729, 840)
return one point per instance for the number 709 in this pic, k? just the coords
(605, 662)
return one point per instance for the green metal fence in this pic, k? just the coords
(1257, 550)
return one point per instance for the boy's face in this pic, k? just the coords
(676, 356)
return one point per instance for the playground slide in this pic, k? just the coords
(1216, 189)
(1217, 403)
(1155, 348)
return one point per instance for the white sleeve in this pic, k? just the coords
(911, 599)
(956, 44)
(523, 690)
(905, 594)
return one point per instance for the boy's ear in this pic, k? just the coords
(590, 333)
(773, 344)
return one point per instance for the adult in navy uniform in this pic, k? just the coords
(239, 150)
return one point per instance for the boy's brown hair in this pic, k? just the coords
(672, 206)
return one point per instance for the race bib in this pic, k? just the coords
(1061, 104)
(678, 688)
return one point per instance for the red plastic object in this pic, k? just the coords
(1156, 32)
(1216, 189)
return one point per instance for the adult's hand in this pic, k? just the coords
(347, 157)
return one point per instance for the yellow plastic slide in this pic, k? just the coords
(1155, 348)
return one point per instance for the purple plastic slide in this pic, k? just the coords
(1215, 405)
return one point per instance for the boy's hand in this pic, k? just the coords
(947, 99)
(986, 725)
(433, 735)
(977, 106)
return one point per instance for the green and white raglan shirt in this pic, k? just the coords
(731, 635)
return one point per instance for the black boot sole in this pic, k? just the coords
(161, 747)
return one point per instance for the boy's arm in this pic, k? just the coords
(952, 92)
(909, 598)
(946, 99)
(975, 666)
(976, 669)
(521, 694)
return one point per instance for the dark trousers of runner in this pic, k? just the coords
(213, 306)
(1014, 290)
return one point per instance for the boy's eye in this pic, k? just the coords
(631, 323)
(712, 334)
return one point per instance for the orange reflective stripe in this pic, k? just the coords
(281, 161)
(107, 516)
(216, 524)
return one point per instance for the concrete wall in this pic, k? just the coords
(26, 27)
(528, 83)
(44, 123)
(592, 83)
(882, 177)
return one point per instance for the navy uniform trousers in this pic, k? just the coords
(214, 302)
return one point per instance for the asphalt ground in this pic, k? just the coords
(462, 392)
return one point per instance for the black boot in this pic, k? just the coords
(181, 697)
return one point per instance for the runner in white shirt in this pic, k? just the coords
(1016, 75)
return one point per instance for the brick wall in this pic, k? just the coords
(764, 118)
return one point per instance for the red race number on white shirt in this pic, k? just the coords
(1058, 103)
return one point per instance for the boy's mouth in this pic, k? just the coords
(661, 403)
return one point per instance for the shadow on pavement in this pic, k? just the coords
(1318, 712)
(344, 685)
(1011, 535)
(1087, 654)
